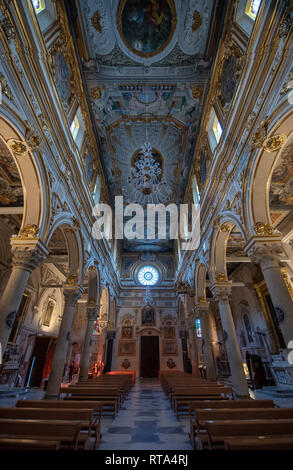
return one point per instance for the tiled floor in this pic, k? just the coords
(145, 422)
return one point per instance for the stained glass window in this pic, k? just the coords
(198, 327)
(39, 5)
(148, 276)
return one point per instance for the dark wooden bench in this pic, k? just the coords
(10, 443)
(260, 443)
(99, 407)
(180, 400)
(67, 432)
(219, 431)
(89, 424)
(92, 392)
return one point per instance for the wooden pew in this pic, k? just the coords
(245, 414)
(260, 443)
(219, 431)
(91, 393)
(67, 432)
(180, 399)
(100, 407)
(27, 444)
(223, 404)
(89, 424)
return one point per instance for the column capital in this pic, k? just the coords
(221, 290)
(72, 294)
(93, 312)
(27, 253)
(266, 252)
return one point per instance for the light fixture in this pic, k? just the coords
(146, 185)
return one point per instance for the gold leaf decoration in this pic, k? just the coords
(197, 21)
(96, 21)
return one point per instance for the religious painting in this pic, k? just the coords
(49, 313)
(229, 79)
(170, 348)
(146, 26)
(89, 166)
(148, 316)
(62, 76)
(126, 348)
(11, 193)
(169, 332)
(126, 332)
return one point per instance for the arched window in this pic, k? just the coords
(198, 328)
(252, 8)
(196, 195)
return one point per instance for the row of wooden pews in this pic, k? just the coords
(182, 389)
(72, 423)
(220, 422)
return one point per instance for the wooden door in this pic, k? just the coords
(149, 356)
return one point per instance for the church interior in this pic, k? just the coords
(119, 338)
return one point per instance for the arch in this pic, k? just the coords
(105, 304)
(221, 233)
(74, 244)
(200, 281)
(92, 274)
(260, 170)
(32, 175)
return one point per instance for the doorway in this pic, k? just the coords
(149, 356)
(41, 361)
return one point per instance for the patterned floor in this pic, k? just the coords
(145, 422)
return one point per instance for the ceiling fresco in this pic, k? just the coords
(11, 193)
(281, 188)
(147, 65)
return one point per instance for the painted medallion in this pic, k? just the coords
(146, 26)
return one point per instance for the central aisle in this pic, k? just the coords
(145, 422)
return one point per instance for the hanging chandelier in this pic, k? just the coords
(148, 300)
(146, 185)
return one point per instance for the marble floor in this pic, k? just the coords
(145, 422)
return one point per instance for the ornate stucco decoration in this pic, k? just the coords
(274, 143)
(32, 139)
(71, 280)
(28, 232)
(230, 68)
(197, 92)
(96, 21)
(96, 93)
(261, 134)
(18, 147)
(221, 277)
(5, 88)
(263, 228)
(197, 21)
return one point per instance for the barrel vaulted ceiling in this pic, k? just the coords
(147, 67)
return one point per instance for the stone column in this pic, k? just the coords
(269, 254)
(222, 292)
(92, 315)
(71, 294)
(26, 255)
(202, 309)
(193, 346)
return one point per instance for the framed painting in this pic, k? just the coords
(148, 316)
(170, 348)
(146, 27)
(126, 332)
(62, 76)
(169, 332)
(126, 348)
